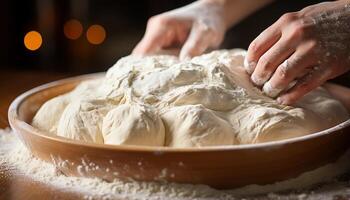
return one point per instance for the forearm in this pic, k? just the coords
(236, 10)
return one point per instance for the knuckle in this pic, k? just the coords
(288, 17)
(299, 30)
(205, 30)
(254, 46)
(283, 73)
(264, 63)
(311, 45)
(158, 20)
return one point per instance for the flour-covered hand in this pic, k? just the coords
(193, 28)
(301, 51)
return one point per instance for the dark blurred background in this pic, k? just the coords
(83, 36)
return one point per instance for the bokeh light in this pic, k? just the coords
(33, 40)
(73, 29)
(96, 34)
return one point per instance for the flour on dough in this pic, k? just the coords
(162, 101)
(134, 125)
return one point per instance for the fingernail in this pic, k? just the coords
(249, 66)
(282, 101)
(279, 100)
(271, 91)
(257, 80)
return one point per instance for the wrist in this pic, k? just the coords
(218, 9)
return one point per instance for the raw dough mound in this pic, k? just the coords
(162, 101)
(196, 126)
(262, 123)
(50, 113)
(133, 124)
(82, 120)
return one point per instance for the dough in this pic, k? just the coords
(162, 101)
(82, 120)
(196, 126)
(47, 117)
(258, 122)
(133, 124)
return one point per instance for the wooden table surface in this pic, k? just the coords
(14, 186)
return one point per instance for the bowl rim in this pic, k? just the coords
(17, 123)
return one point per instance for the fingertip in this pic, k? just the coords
(187, 52)
(271, 91)
(257, 80)
(249, 66)
(141, 48)
(290, 97)
(184, 55)
(285, 100)
(136, 51)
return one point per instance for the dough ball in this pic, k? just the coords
(133, 125)
(86, 90)
(49, 114)
(263, 123)
(320, 102)
(196, 126)
(82, 120)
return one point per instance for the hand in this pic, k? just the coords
(304, 48)
(194, 28)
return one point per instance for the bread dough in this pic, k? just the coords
(161, 101)
(48, 116)
(196, 126)
(134, 125)
(82, 120)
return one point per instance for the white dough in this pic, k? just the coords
(196, 126)
(49, 114)
(133, 124)
(162, 101)
(82, 120)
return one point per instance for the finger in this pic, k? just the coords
(311, 81)
(260, 45)
(154, 38)
(197, 42)
(296, 66)
(149, 44)
(271, 59)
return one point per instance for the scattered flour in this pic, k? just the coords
(15, 156)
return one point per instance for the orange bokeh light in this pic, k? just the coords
(33, 40)
(96, 34)
(73, 29)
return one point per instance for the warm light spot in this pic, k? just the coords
(33, 40)
(96, 34)
(73, 29)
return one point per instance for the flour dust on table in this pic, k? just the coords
(14, 155)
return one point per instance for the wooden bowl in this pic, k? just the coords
(220, 167)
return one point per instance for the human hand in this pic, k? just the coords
(194, 28)
(307, 47)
